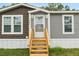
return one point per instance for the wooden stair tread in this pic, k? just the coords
(38, 43)
(38, 39)
(38, 54)
(39, 50)
(38, 46)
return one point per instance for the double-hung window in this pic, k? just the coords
(12, 24)
(68, 24)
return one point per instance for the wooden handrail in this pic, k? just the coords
(46, 35)
(32, 36)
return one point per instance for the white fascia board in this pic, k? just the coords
(38, 10)
(21, 4)
(63, 11)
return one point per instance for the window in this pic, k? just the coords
(7, 24)
(39, 23)
(68, 24)
(17, 24)
(39, 28)
(12, 24)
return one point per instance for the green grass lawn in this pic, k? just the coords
(14, 52)
(52, 52)
(63, 52)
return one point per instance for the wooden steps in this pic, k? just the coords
(38, 54)
(39, 46)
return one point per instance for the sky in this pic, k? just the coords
(72, 5)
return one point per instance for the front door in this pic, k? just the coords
(39, 26)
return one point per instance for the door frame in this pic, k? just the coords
(48, 24)
(42, 23)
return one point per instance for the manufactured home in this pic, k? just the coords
(27, 26)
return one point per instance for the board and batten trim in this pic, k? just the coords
(29, 27)
(12, 24)
(49, 25)
(72, 24)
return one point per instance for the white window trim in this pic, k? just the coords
(72, 24)
(12, 28)
(49, 26)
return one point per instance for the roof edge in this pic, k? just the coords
(17, 5)
(37, 9)
(63, 11)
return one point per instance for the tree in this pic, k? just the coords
(13, 4)
(57, 7)
(54, 6)
(73, 9)
(4, 6)
(60, 7)
(67, 8)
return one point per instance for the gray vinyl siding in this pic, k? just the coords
(56, 26)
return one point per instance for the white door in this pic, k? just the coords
(39, 26)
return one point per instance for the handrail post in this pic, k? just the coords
(47, 35)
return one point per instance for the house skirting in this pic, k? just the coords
(64, 43)
(13, 43)
(23, 43)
